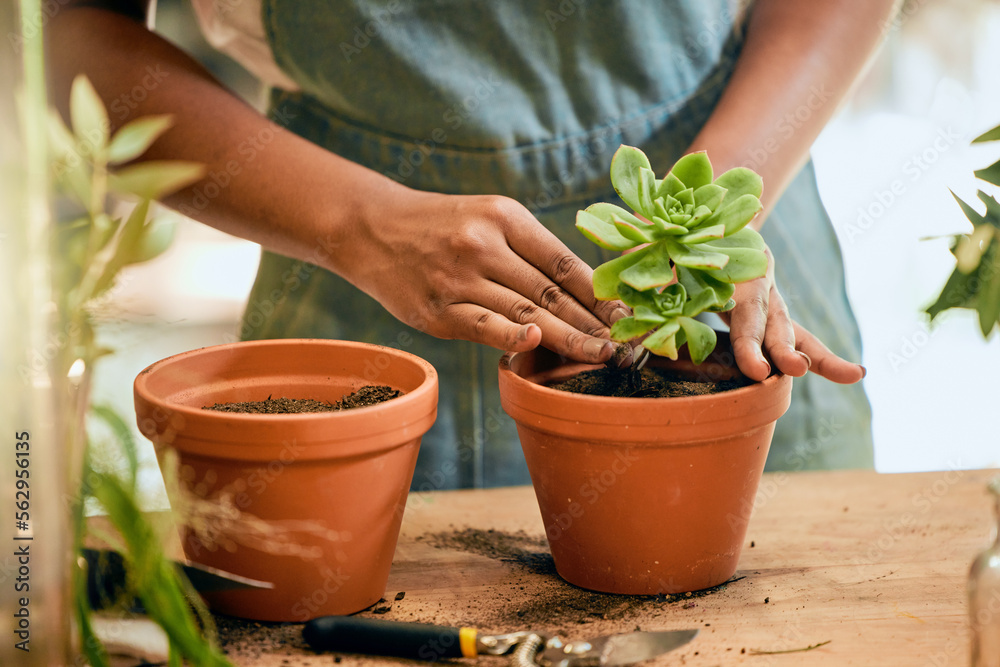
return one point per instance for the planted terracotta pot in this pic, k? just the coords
(643, 495)
(327, 490)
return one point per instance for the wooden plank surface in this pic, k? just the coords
(873, 564)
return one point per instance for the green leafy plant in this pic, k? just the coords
(693, 247)
(975, 282)
(92, 171)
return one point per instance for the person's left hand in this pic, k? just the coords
(760, 325)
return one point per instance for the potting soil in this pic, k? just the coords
(370, 395)
(647, 383)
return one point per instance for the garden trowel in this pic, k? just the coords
(418, 641)
(106, 578)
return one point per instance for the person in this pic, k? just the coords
(417, 175)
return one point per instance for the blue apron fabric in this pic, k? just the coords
(530, 100)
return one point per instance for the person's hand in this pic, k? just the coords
(760, 324)
(479, 268)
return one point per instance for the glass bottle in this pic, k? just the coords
(984, 596)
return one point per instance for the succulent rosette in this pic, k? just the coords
(695, 246)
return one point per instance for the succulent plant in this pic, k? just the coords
(695, 247)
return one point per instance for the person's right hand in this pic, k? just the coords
(479, 268)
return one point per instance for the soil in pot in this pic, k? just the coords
(647, 383)
(370, 395)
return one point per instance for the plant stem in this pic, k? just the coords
(44, 419)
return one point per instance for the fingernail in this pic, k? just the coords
(809, 362)
(864, 371)
(618, 314)
(522, 333)
(760, 356)
(594, 348)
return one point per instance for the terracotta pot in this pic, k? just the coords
(331, 485)
(643, 495)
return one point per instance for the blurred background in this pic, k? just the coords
(886, 166)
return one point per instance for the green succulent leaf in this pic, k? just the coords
(648, 315)
(638, 233)
(736, 213)
(744, 264)
(663, 229)
(703, 234)
(662, 341)
(628, 328)
(701, 338)
(606, 276)
(745, 238)
(705, 292)
(699, 215)
(626, 166)
(653, 270)
(156, 178)
(989, 135)
(685, 197)
(669, 187)
(635, 298)
(646, 192)
(747, 259)
(659, 210)
(693, 170)
(134, 138)
(695, 257)
(603, 233)
(90, 119)
(741, 181)
(609, 212)
(710, 195)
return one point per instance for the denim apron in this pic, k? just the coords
(530, 99)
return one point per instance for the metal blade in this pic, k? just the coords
(613, 650)
(206, 579)
(638, 646)
(106, 577)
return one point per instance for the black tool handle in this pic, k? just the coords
(348, 634)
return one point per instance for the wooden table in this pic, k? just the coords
(872, 566)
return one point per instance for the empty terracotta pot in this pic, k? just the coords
(643, 495)
(319, 497)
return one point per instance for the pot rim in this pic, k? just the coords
(682, 419)
(410, 414)
(142, 379)
(507, 358)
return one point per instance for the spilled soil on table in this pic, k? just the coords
(549, 602)
(532, 597)
(647, 383)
